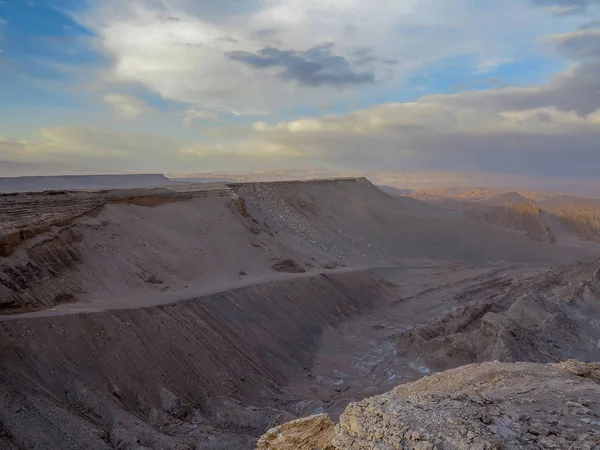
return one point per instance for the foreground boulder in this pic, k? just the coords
(310, 433)
(485, 406)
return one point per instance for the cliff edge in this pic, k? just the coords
(478, 407)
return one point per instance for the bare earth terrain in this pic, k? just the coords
(545, 217)
(199, 316)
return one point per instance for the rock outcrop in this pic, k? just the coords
(477, 407)
(309, 433)
(552, 317)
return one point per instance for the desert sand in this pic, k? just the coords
(198, 316)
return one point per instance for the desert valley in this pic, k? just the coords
(201, 315)
(299, 225)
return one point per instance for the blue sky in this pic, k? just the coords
(43, 45)
(39, 39)
(182, 85)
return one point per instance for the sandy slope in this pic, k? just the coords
(124, 252)
(560, 233)
(155, 319)
(510, 198)
(355, 219)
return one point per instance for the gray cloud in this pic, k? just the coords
(579, 45)
(363, 56)
(229, 39)
(543, 143)
(590, 25)
(538, 153)
(577, 89)
(567, 7)
(527, 153)
(266, 32)
(216, 10)
(549, 129)
(315, 67)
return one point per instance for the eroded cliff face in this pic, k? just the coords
(206, 373)
(552, 317)
(61, 246)
(314, 432)
(198, 319)
(489, 406)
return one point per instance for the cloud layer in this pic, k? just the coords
(127, 106)
(185, 85)
(257, 57)
(315, 67)
(567, 7)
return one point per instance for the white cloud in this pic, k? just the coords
(127, 106)
(488, 65)
(191, 115)
(88, 141)
(550, 129)
(178, 48)
(578, 45)
(16, 149)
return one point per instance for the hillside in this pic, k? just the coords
(198, 316)
(510, 198)
(545, 217)
(487, 406)
(521, 216)
(480, 394)
(125, 244)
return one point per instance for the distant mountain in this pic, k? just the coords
(82, 182)
(395, 191)
(205, 180)
(507, 198)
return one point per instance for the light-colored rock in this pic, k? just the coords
(582, 369)
(488, 406)
(310, 433)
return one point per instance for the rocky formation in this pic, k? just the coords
(520, 216)
(72, 246)
(553, 317)
(309, 433)
(206, 373)
(199, 317)
(26, 215)
(490, 406)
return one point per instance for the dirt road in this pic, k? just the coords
(192, 291)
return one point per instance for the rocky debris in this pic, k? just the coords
(553, 317)
(581, 369)
(310, 433)
(488, 406)
(27, 215)
(288, 208)
(288, 265)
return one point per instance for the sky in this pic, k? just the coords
(506, 88)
